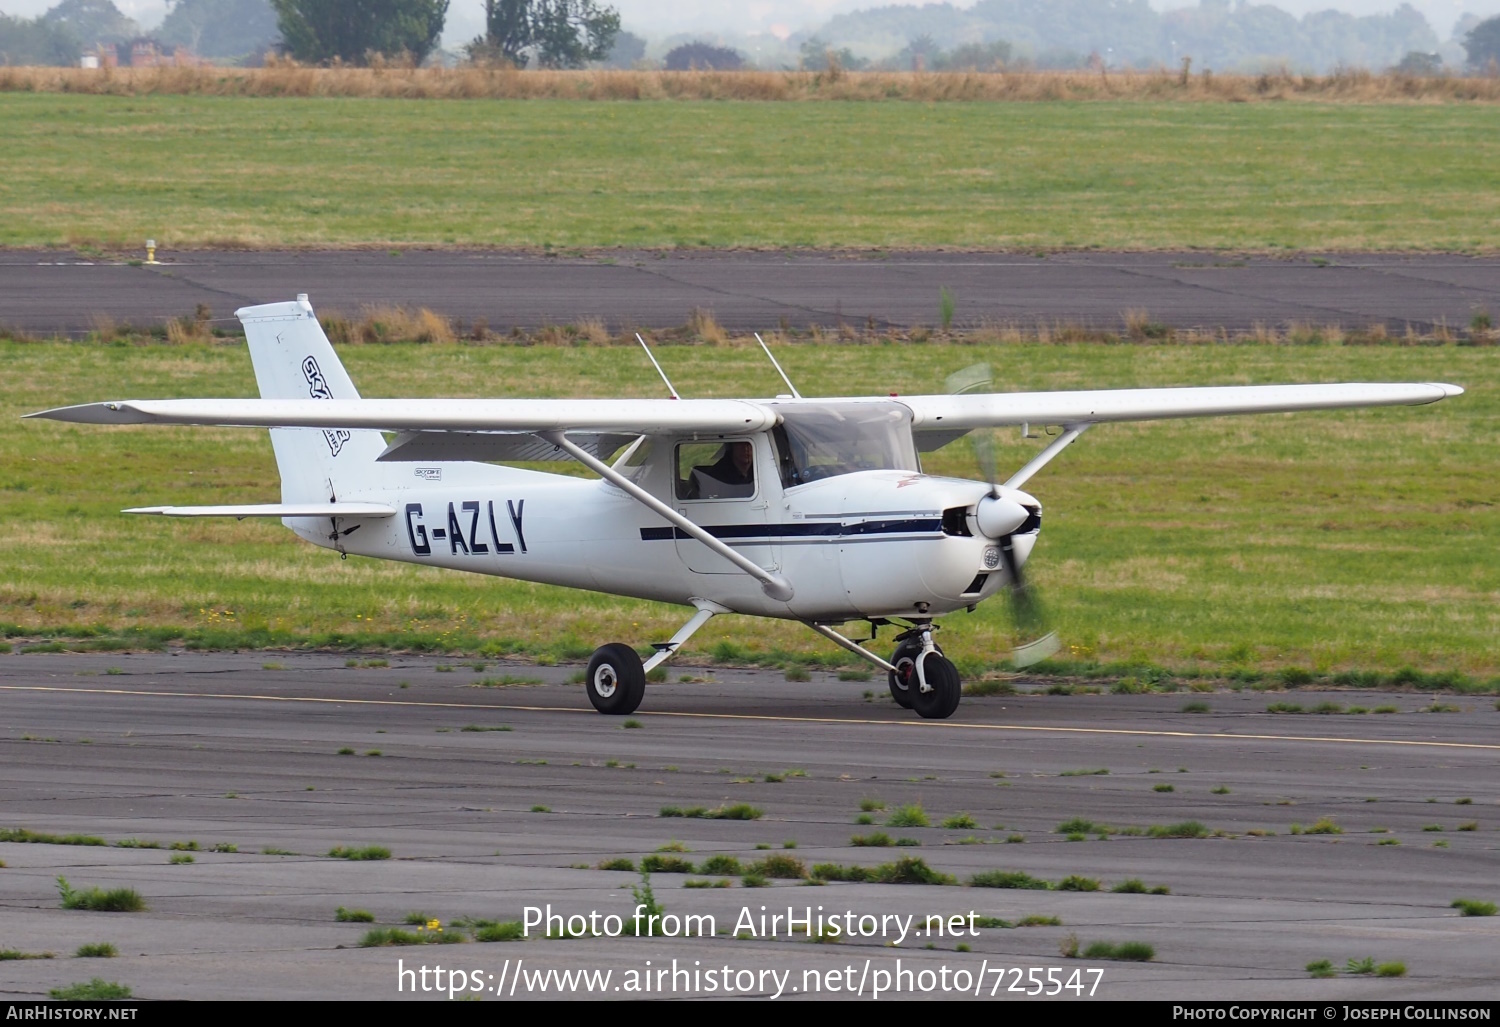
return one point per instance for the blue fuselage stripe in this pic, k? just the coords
(776, 532)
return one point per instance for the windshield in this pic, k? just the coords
(841, 438)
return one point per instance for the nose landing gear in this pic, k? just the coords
(924, 680)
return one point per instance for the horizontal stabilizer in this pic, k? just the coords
(273, 510)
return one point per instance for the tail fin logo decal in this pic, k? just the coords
(317, 388)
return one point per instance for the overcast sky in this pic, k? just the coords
(658, 18)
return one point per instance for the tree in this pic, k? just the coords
(1483, 44)
(815, 54)
(92, 21)
(629, 49)
(219, 28)
(559, 33)
(702, 57)
(319, 31)
(1416, 62)
(37, 41)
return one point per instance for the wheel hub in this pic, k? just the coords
(605, 681)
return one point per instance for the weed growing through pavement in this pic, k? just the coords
(1136, 951)
(1473, 907)
(657, 864)
(95, 990)
(738, 811)
(115, 900)
(353, 916)
(21, 834)
(646, 905)
(778, 866)
(368, 852)
(910, 815)
(96, 950)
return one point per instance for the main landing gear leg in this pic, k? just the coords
(616, 677)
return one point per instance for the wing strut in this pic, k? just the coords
(1044, 458)
(773, 585)
(651, 357)
(795, 393)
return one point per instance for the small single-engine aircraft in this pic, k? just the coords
(814, 510)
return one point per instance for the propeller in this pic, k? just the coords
(999, 517)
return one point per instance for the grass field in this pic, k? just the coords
(205, 170)
(1358, 540)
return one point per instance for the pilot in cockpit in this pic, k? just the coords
(732, 476)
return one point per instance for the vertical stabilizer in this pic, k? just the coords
(293, 359)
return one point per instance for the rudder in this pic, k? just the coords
(293, 359)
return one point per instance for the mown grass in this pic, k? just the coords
(1229, 549)
(114, 170)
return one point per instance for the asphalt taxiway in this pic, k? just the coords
(243, 751)
(60, 291)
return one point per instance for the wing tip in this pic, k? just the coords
(108, 412)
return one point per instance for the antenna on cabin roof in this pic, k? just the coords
(795, 393)
(656, 365)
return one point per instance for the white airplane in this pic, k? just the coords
(813, 510)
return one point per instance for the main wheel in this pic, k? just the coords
(615, 680)
(904, 683)
(938, 702)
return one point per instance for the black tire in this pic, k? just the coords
(615, 679)
(941, 700)
(905, 660)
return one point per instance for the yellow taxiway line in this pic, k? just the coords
(950, 724)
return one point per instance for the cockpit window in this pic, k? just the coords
(840, 438)
(718, 470)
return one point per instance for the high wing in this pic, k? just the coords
(985, 410)
(470, 429)
(613, 416)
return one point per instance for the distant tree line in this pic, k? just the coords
(548, 33)
(1223, 35)
(207, 28)
(1226, 35)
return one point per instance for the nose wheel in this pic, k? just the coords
(615, 679)
(944, 687)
